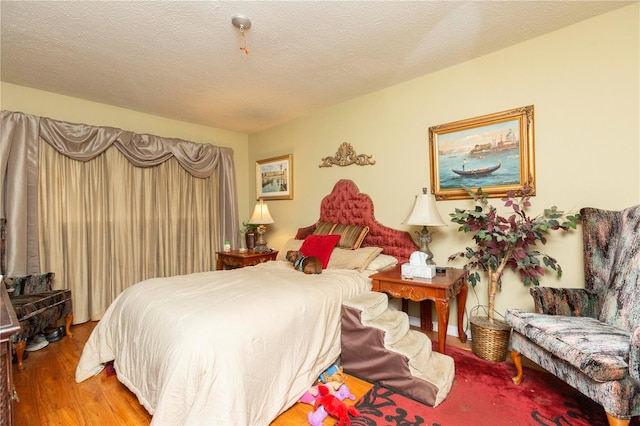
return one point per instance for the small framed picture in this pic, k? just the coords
(274, 178)
(494, 152)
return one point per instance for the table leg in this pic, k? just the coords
(425, 315)
(462, 302)
(442, 308)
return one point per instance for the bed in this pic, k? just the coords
(239, 346)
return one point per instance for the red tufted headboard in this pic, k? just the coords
(347, 205)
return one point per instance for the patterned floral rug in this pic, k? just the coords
(483, 394)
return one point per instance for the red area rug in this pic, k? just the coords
(483, 394)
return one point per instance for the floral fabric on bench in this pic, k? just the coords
(590, 337)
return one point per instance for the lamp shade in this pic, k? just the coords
(425, 211)
(261, 215)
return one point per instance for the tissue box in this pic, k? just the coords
(421, 271)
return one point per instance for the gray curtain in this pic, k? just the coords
(19, 190)
(19, 138)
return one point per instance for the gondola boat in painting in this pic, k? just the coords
(478, 172)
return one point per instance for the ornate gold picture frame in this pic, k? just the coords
(495, 152)
(274, 178)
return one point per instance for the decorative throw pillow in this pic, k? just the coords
(382, 262)
(324, 228)
(320, 246)
(351, 236)
(353, 259)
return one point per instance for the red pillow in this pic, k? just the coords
(320, 246)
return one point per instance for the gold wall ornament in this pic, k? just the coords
(346, 156)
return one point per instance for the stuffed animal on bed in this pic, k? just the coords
(317, 417)
(335, 407)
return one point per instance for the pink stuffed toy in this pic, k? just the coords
(335, 407)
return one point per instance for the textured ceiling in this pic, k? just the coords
(182, 59)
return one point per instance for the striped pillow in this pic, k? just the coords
(324, 228)
(351, 236)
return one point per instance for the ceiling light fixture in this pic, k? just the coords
(243, 23)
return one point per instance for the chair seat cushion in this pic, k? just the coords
(599, 350)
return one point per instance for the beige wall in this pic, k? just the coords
(74, 110)
(584, 83)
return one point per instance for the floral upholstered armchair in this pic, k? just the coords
(590, 338)
(37, 306)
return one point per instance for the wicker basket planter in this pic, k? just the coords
(489, 341)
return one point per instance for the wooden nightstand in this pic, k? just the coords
(440, 289)
(233, 259)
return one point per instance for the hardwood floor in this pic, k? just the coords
(49, 394)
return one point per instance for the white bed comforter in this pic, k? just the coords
(227, 347)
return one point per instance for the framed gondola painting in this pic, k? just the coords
(494, 151)
(274, 178)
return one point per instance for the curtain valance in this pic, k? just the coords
(83, 143)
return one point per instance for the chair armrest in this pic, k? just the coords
(575, 302)
(634, 355)
(29, 284)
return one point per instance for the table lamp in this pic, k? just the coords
(425, 213)
(261, 217)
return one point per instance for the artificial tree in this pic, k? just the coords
(509, 241)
